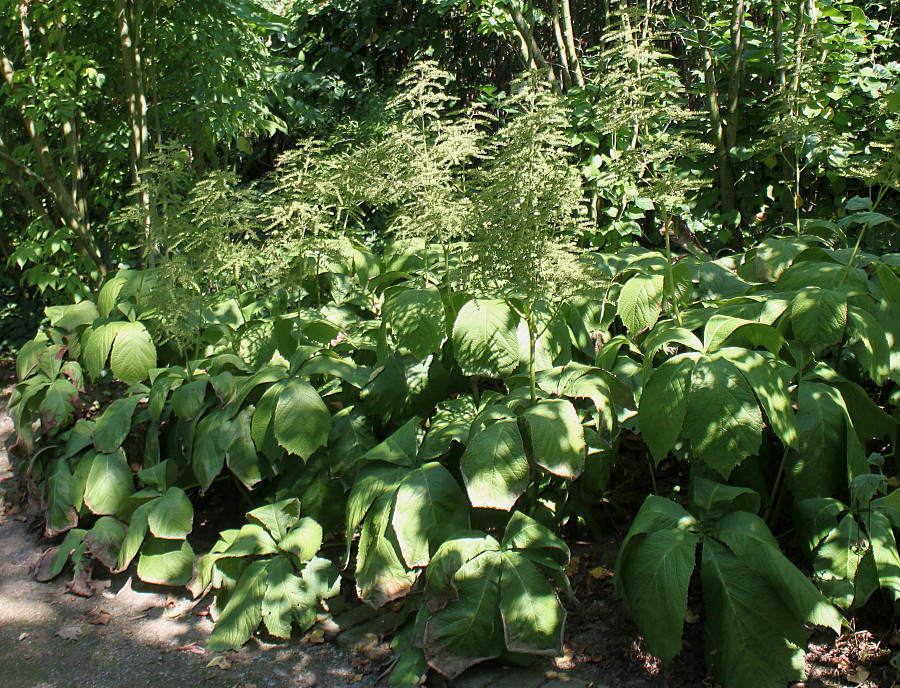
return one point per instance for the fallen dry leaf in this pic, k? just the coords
(317, 636)
(356, 678)
(221, 661)
(861, 675)
(99, 617)
(691, 617)
(42, 569)
(69, 632)
(600, 572)
(24, 635)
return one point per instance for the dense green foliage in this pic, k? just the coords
(412, 336)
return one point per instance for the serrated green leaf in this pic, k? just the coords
(717, 282)
(380, 573)
(104, 540)
(207, 453)
(189, 398)
(557, 437)
(770, 380)
(243, 612)
(111, 428)
(133, 353)
(278, 518)
(322, 578)
(640, 302)
(748, 537)
(663, 404)
(97, 346)
(165, 562)
(302, 421)
(400, 447)
(58, 406)
(753, 638)
(485, 338)
(819, 317)
(872, 342)
(240, 450)
(711, 500)
(720, 327)
(524, 533)
(469, 630)
(494, 466)
(774, 255)
(173, 516)
(303, 540)
(285, 598)
(723, 420)
(134, 536)
(451, 421)
(533, 618)
(819, 468)
(416, 319)
(108, 483)
(70, 317)
(843, 568)
(430, 507)
(60, 514)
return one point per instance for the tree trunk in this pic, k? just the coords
(736, 75)
(534, 50)
(569, 36)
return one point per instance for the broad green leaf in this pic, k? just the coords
(285, 599)
(262, 426)
(80, 437)
(70, 317)
(653, 577)
(399, 448)
(640, 302)
(416, 319)
(819, 468)
(27, 359)
(711, 500)
(278, 518)
(243, 612)
(557, 437)
(450, 422)
(872, 340)
(303, 540)
(250, 540)
(430, 507)
(884, 552)
(748, 537)
(104, 540)
(774, 255)
(111, 428)
(814, 273)
(533, 618)
(59, 513)
(158, 393)
(322, 578)
(469, 630)
(485, 338)
(372, 481)
(819, 317)
(73, 542)
(302, 421)
(494, 466)
(723, 420)
(664, 403)
(208, 455)
(97, 346)
(815, 519)
(172, 517)
(770, 380)
(380, 573)
(717, 282)
(133, 353)
(720, 327)
(58, 407)
(267, 375)
(189, 398)
(240, 450)
(165, 562)
(351, 436)
(134, 536)
(410, 669)
(524, 533)
(840, 565)
(109, 482)
(753, 638)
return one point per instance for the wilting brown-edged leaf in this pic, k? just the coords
(69, 632)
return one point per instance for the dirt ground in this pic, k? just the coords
(129, 635)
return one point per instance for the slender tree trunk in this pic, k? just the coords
(568, 29)
(561, 47)
(534, 50)
(736, 74)
(717, 130)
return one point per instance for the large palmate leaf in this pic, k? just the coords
(819, 468)
(770, 380)
(286, 600)
(277, 518)
(451, 421)
(485, 338)
(381, 575)
(753, 638)
(172, 517)
(640, 302)
(819, 317)
(469, 630)
(524, 533)
(108, 483)
(557, 437)
(133, 353)
(302, 421)
(723, 420)
(430, 507)
(416, 318)
(494, 466)
(400, 447)
(243, 612)
(58, 407)
(664, 403)
(111, 428)
(166, 562)
(653, 571)
(97, 345)
(533, 618)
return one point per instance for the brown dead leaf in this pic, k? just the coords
(69, 632)
(691, 617)
(99, 617)
(24, 635)
(42, 569)
(356, 678)
(221, 661)
(81, 585)
(317, 636)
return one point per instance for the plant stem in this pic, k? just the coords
(774, 507)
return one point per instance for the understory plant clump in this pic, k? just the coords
(425, 415)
